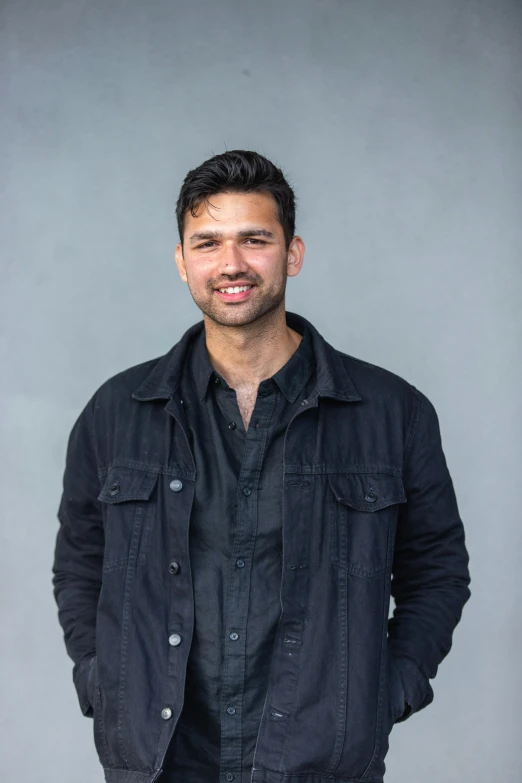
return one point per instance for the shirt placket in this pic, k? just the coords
(243, 535)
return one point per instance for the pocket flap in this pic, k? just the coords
(367, 491)
(124, 483)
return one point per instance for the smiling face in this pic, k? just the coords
(237, 240)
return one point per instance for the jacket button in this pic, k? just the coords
(166, 713)
(231, 425)
(304, 402)
(174, 639)
(229, 776)
(234, 636)
(173, 567)
(371, 497)
(231, 710)
(240, 562)
(247, 491)
(115, 488)
(175, 485)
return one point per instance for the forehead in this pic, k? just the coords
(234, 209)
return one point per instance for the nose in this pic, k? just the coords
(232, 260)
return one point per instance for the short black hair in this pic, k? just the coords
(239, 171)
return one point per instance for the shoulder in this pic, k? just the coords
(124, 382)
(393, 397)
(113, 397)
(373, 378)
(376, 383)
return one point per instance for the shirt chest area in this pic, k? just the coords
(316, 435)
(238, 489)
(300, 454)
(332, 480)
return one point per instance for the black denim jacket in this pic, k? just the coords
(369, 510)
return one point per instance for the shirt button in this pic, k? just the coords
(166, 713)
(174, 639)
(240, 563)
(231, 710)
(304, 402)
(234, 636)
(231, 425)
(216, 379)
(115, 488)
(247, 491)
(176, 485)
(173, 567)
(229, 776)
(371, 497)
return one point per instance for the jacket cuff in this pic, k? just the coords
(83, 678)
(418, 692)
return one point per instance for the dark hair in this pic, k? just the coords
(239, 171)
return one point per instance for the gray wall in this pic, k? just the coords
(399, 124)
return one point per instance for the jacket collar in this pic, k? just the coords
(289, 379)
(332, 378)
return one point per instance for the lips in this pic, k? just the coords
(239, 297)
(234, 285)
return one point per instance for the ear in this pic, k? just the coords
(180, 262)
(296, 251)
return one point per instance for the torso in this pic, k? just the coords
(247, 394)
(246, 400)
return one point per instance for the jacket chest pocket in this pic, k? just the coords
(363, 509)
(128, 512)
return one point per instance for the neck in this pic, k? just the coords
(246, 355)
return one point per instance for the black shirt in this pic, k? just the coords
(235, 540)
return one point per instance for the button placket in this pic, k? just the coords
(246, 524)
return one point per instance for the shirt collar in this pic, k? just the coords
(163, 374)
(290, 378)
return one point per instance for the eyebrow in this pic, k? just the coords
(246, 232)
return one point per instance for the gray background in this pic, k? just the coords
(399, 124)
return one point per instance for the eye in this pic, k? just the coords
(207, 244)
(257, 241)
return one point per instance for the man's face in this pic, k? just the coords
(237, 240)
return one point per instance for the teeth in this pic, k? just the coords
(235, 290)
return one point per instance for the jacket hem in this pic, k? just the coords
(119, 775)
(270, 776)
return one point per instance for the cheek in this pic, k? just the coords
(270, 267)
(198, 279)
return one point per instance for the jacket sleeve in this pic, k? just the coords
(78, 556)
(430, 577)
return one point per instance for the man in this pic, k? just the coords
(235, 516)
